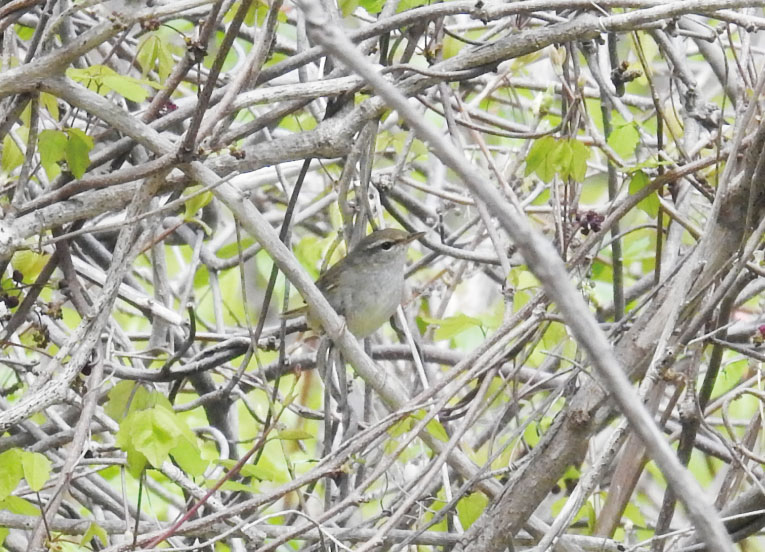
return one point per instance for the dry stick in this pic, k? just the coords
(383, 468)
(627, 472)
(496, 10)
(26, 77)
(85, 336)
(690, 425)
(190, 138)
(431, 473)
(255, 61)
(613, 187)
(74, 451)
(231, 473)
(482, 209)
(96, 182)
(194, 54)
(116, 527)
(550, 270)
(586, 486)
(84, 340)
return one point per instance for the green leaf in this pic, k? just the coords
(570, 159)
(102, 79)
(73, 145)
(155, 434)
(254, 16)
(373, 7)
(624, 139)
(127, 87)
(10, 471)
(405, 5)
(263, 471)
(531, 434)
(579, 156)
(147, 437)
(566, 157)
(541, 158)
(188, 453)
(562, 158)
(435, 429)
(249, 18)
(52, 147)
(29, 263)
(196, 202)
(18, 505)
(126, 397)
(148, 53)
(471, 507)
(77, 149)
(237, 486)
(232, 249)
(554, 335)
(401, 427)
(295, 435)
(23, 32)
(152, 432)
(91, 77)
(452, 325)
(11, 155)
(632, 512)
(650, 204)
(50, 102)
(165, 62)
(309, 251)
(136, 461)
(36, 469)
(347, 7)
(95, 531)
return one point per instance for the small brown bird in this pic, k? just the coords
(367, 285)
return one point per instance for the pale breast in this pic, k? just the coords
(372, 307)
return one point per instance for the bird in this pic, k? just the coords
(367, 285)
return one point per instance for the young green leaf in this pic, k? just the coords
(437, 430)
(471, 507)
(195, 203)
(52, 147)
(347, 7)
(373, 7)
(148, 53)
(452, 325)
(295, 435)
(624, 139)
(10, 471)
(650, 204)
(36, 469)
(12, 156)
(94, 531)
(102, 79)
(29, 263)
(50, 102)
(541, 157)
(579, 156)
(77, 151)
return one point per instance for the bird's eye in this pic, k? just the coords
(386, 246)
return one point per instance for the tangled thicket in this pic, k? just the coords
(588, 175)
